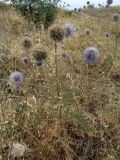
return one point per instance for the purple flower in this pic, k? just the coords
(25, 59)
(16, 78)
(37, 63)
(88, 32)
(69, 30)
(91, 54)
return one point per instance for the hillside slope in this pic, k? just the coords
(83, 121)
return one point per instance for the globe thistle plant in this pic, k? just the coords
(25, 60)
(57, 34)
(40, 55)
(107, 35)
(76, 29)
(27, 43)
(65, 56)
(3, 56)
(116, 17)
(88, 32)
(109, 2)
(75, 9)
(88, 2)
(37, 63)
(91, 54)
(69, 30)
(16, 78)
(26, 34)
(18, 150)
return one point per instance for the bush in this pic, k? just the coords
(4, 6)
(38, 12)
(68, 13)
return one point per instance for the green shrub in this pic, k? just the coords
(38, 12)
(68, 13)
(4, 6)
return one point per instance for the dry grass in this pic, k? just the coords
(84, 122)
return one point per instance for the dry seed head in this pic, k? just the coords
(27, 43)
(57, 34)
(25, 59)
(116, 17)
(40, 54)
(107, 35)
(109, 2)
(18, 150)
(37, 63)
(88, 32)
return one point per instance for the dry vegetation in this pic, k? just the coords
(83, 123)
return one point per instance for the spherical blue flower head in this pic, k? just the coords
(91, 54)
(88, 32)
(25, 59)
(69, 30)
(16, 78)
(37, 63)
(109, 2)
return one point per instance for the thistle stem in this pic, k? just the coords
(87, 81)
(116, 47)
(14, 64)
(57, 78)
(116, 42)
(56, 69)
(30, 15)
